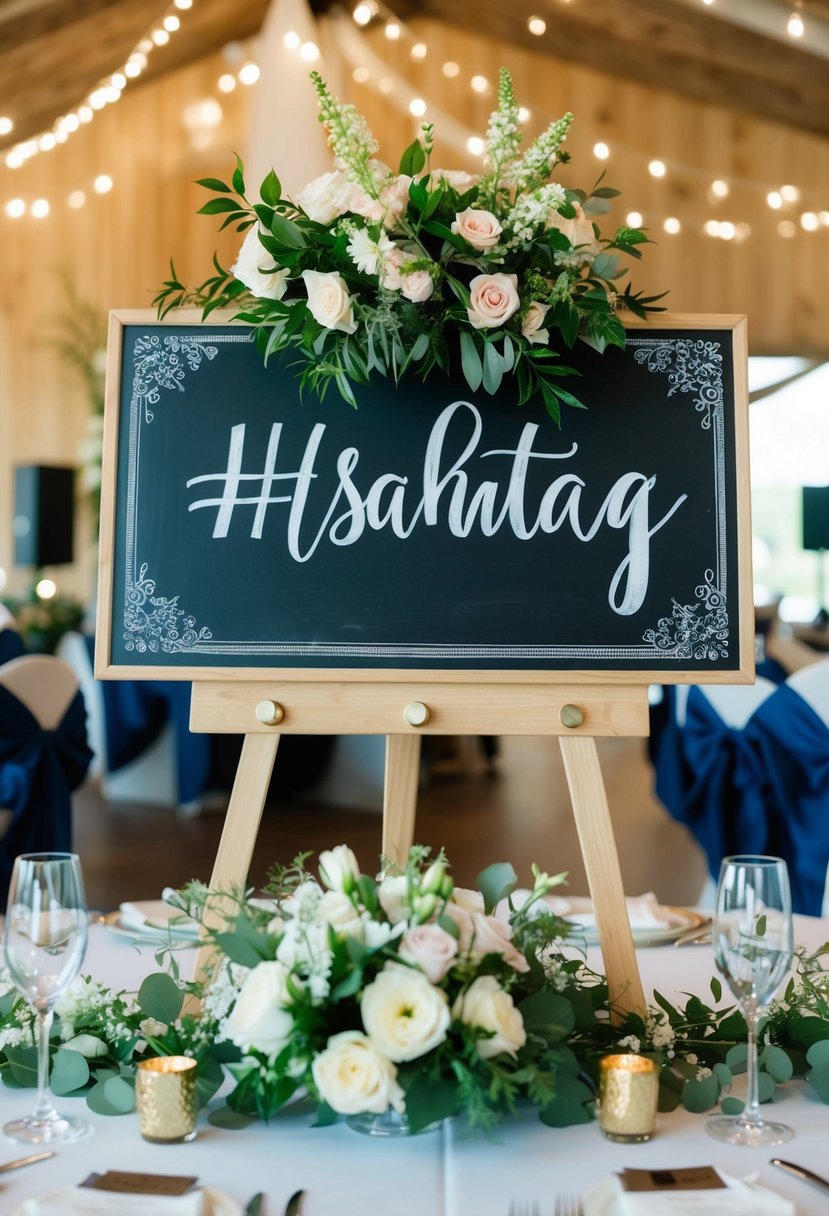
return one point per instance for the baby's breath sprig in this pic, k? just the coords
(349, 137)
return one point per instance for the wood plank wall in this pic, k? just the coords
(116, 248)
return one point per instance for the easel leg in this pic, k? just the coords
(241, 826)
(601, 861)
(400, 794)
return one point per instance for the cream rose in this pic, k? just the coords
(395, 200)
(255, 267)
(480, 229)
(430, 948)
(417, 286)
(339, 869)
(328, 300)
(403, 1014)
(458, 179)
(493, 298)
(531, 326)
(393, 893)
(258, 1021)
(578, 230)
(352, 1076)
(487, 1005)
(325, 197)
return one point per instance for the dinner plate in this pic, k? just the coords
(214, 1203)
(149, 933)
(686, 921)
(601, 1200)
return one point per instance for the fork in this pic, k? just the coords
(524, 1207)
(568, 1205)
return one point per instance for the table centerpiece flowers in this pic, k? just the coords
(405, 999)
(368, 271)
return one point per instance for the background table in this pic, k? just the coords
(436, 1174)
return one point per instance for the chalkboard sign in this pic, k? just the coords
(246, 530)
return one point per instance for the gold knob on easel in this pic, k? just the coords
(270, 712)
(417, 714)
(571, 716)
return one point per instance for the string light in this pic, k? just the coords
(656, 168)
(6, 126)
(524, 114)
(719, 188)
(475, 145)
(15, 207)
(787, 229)
(392, 31)
(672, 225)
(76, 199)
(537, 26)
(291, 40)
(480, 84)
(633, 219)
(361, 75)
(249, 73)
(789, 194)
(419, 50)
(171, 23)
(226, 83)
(103, 183)
(809, 221)
(795, 26)
(417, 107)
(46, 588)
(40, 208)
(601, 151)
(450, 69)
(309, 52)
(774, 199)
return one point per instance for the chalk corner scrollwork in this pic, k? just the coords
(692, 365)
(162, 363)
(697, 631)
(154, 624)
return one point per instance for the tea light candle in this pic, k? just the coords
(165, 1095)
(628, 1092)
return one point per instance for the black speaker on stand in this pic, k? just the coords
(44, 515)
(816, 537)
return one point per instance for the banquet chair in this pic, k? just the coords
(790, 736)
(43, 757)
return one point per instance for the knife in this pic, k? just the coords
(15, 1165)
(293, 1206)
(801, 1172)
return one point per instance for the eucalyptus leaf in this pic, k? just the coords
(229, 1119)
(765, 1087)
(496, 882)
(819, 1080)
(255, 1205)
(818, 1053)
(572, 1105)
(732, 1106)
(701, 1095)
(471, 361)
(547, 1014)
(777, 1064)
(70, 1071)
(160, 997)
(723, 1074)
(736, 1058)
(114, 1096)
(23, 1064)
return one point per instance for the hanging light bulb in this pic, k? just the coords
(795, 26)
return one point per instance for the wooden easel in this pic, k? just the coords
(404, 708)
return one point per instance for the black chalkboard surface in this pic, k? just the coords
(430, 529)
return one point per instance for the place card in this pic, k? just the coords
(695, 1178)
(126, 1183)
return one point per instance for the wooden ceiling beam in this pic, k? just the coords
(663, 45)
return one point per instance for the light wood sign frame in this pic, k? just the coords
(262, 703)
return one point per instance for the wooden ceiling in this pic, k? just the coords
(52, 52)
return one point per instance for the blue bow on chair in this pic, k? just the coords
(40, 766)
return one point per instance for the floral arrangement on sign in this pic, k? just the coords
(368, 271)
(406, 993)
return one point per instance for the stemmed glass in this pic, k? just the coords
(45, 941)
(752, 938)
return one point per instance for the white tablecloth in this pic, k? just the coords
(437, 1174)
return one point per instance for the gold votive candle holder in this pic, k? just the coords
(166, 1099)
(628, 1093)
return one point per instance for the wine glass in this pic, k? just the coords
(45, 941)
(752, 938)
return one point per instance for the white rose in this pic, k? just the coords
(87, 1045)
(325, 197)
(352, 1076)
(418, 286)
(328, 300)
(531, 326)
(255, 268)
(456, 178)
(480, 229)
(493, 298)
(431, 948)
(338, 867)
(404, 1015)
(337, 910)
(487, 1005)
(393, 893)
(258, 1021)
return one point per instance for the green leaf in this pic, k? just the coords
(605, 266)
(114, 1096)
(765, 1087)
(819, 1080)
(572, 1105)
(716, 988)
(471, 361)
(209, 1078)
(806, 1031)
(760, 926)
(777, 1064)
(229, 1119)
(701, 1095)
(429, 1099)
(23, 1064)
(723, 1074)
(160, 997)
(547, 1014)
(496, 882)
(238, 178)
(216, 206)
(413, 159)
(213, 183)
(493, 368)
(288, 233)
(736, 1058)
(271, 189)
(70, 1071)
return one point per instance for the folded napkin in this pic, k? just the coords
(644, 912)
(157, 917)
(737, 1198)
(80, 1200)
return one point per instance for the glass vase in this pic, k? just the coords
(389, 1123)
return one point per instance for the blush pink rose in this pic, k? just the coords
(493, 299)
(431, 949)
(417, 286)
(480, 229)
(532, 324)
